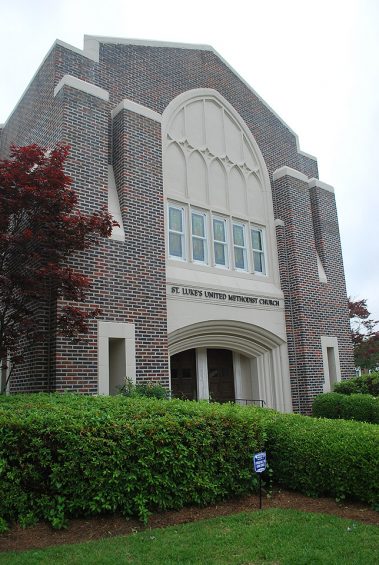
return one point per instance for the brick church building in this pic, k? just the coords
(225, 279)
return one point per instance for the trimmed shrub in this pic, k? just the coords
(324, 457)
(328, 405)
(151, 390)
(365, 384)
(360, 407)
(70, 455)
(67, 455)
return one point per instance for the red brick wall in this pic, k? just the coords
(129, 278)
(313, 308)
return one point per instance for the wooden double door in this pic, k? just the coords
(220, 375)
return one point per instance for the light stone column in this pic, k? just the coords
(202, 374)
(257, 394)
(265, 378)
(237, 371)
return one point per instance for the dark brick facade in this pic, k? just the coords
(129, 282)
(313, 309)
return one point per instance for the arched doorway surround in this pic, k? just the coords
(260, 360)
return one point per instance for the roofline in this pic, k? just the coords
(91, 44)
(56, 42)
(91, 48)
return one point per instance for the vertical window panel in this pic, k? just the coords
(199, 237)
(258, 250)
(176, 219)
(239, 247)
(220, 243)
(176, 235)
(258, 262)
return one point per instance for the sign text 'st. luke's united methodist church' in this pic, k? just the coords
(222, 296)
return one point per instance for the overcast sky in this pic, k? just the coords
(316, 63)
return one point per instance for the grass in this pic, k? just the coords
(273, 536)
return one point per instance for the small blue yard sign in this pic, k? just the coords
(260, 462)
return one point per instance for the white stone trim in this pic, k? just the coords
(248, 339)
(70, 48)
(300, 151)
(265, 379)
(91, 44)
(202, 374)
(279, 223)
(288, 171)
(137, 109)
(118, 233)
(257, 289)
(321, 271)
(190, 95)
(91, 48)
(237, 371)
(87, 87)
(315, 182)
(106, 330)
(329, 341)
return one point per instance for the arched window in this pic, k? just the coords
(219, 208)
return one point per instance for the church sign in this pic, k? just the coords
(223, 297)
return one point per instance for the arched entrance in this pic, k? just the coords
(220, 370)
(227, 361)
(221, 375)
(183, 375)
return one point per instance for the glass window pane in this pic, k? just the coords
(220, 254)
(198, 249)
(198, 225)
(256, 238)
(175, 245)
(239, 257)
(175, 219)
(258, 262)
(219, 230)
(238, 235)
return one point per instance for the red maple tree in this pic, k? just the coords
(364, 334)
(40, 229)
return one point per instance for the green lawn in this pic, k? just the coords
(271, 536)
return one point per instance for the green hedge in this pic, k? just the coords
(69, 455)
(321, 457)
(359, 407)
(366, 384)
